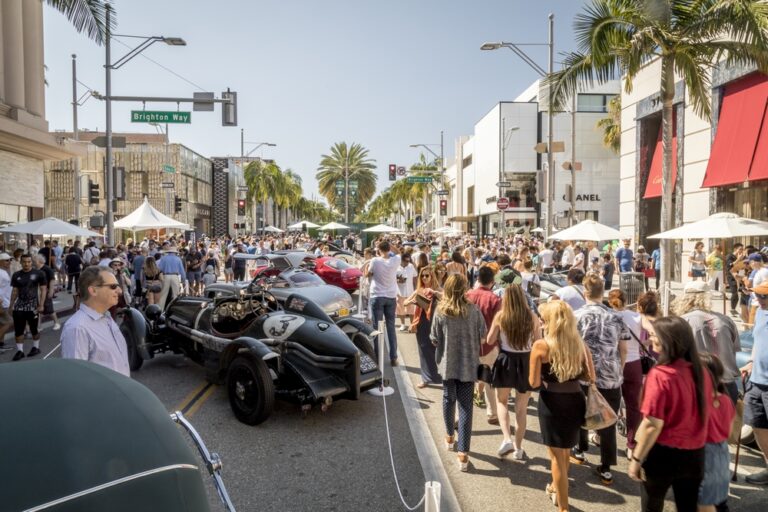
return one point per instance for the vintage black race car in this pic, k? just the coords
(259, 349)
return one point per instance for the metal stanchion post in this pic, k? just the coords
(432, 492)
(382, 390)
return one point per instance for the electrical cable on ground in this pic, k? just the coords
(392, 462)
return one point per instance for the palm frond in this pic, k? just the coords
(89, 16)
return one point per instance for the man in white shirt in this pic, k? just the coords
(573, 294)
(382, 272)
(567, 260)
(5, 296)
(593, 252)
(546, 258)
(578, 258)
(406, 284)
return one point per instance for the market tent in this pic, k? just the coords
(301, 224)
(537, 230)
(147, 217)
(719, 225)
(381, 228)
(588, 230)
(50, 226)
(273, 229)
(333, 226)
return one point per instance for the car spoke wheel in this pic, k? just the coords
(250, 390)
(134, 359)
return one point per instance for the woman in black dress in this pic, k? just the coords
(557, 363)
(428, 293)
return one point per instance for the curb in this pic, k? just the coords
(426, 450)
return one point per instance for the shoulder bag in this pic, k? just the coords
(647, 361)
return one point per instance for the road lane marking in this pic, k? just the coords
(198, 402)
(52, 351)
(191, 396)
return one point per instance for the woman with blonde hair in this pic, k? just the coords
(425, 298)
(458, 329)
(515, 328)
(558, 362)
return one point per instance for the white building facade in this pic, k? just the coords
(501, 149)
(718, 166)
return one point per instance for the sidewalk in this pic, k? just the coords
(493, 484)
(62, 304)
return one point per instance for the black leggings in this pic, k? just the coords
(683, 470)
(75, 276)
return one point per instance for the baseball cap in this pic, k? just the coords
(508, 276)
(116, 260)
(696, 287)
(755, 256)
(4, 256)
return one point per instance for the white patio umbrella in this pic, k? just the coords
(537, 230)
(381, 228)
(273, 229)
(333, 226)
(50, 226)
(302, 223)
(445, 230)
(588, 230)
(719, 225)
(147, 217)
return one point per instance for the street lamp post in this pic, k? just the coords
(439, 157)
(550, 114)
(243, 156)
(109, 66)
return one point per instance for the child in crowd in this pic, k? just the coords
(210, 276)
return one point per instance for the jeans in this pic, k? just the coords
(683, 470)
(607, 435)
(461, 392)
(384, 307)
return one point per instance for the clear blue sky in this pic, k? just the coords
(310, 73)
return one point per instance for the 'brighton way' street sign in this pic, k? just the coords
(419, 179)
(156, 116)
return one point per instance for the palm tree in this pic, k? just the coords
(292, 193)
(689, 37)
(611, 125)
(89, 16)
(350, 163)
(264, 181)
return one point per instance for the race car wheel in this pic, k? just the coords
(364, 343)
(134, 359)
(250, 390)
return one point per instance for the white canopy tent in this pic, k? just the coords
(50, 226)
(718, 225)
(147, 217)
(381, 228)
(302, 223)
(273, 229)
(333, 226)
(588, 230)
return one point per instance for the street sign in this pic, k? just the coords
(101, 142)
(503, 184)
(166, 184)
(419, 179)
(157, 116)
(502, 203)
(169, 168)
(203, 102)
(401, 171)
(442, 192)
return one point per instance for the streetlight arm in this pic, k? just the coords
(425, 146)
(131, 54)
(269, 144)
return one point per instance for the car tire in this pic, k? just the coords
(250, 390)
(364, 343)
(134, 359)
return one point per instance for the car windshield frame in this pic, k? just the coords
(304, 280)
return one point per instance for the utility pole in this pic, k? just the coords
(109, 188)
(346, 189)
(502, 169)
(550, 132)
(573, 159)
(75, 136)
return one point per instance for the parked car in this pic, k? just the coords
(338, 273)
(259, 350)
(106, 443)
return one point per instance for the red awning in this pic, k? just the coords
(738, 130)
(759, 168)
(653, 188)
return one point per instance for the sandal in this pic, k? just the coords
(551, 493)
(421, 385)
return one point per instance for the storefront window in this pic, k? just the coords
(750, 202)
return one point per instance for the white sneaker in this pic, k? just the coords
(403, 328)
(518, 455)
(505, 448)
(56, 326)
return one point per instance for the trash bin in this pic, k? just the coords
(632, 284)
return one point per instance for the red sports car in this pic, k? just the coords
(337, 272)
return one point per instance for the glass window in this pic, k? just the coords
(302, 279)
(593, 102)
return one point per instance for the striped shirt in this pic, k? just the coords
(94, 337)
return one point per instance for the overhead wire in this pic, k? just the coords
(177, 75)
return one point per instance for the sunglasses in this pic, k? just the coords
(113, 286)
(761, 296)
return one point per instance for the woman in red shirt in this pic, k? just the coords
(675, 408)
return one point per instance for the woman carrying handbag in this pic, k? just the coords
(428, 293)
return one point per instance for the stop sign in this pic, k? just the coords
(502, 203)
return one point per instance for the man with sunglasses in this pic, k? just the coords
(91, 334)
(756, 396)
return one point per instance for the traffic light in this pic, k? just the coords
(176, 204)
(392, 172)
(443, 207)
(93, 192)
(241, 206)
(229, 109)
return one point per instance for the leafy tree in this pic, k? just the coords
(89, 16)
(611, 125)
(689, 37)
(347, 162)
(264, 181)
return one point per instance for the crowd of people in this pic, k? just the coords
(482, 332)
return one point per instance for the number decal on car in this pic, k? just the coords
(281, 327)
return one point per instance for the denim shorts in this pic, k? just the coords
(755, 405)
(717, 474)
(698, 273)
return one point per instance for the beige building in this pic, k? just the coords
(25, 142)
(143, 167)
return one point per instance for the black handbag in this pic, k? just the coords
(647, 361)
(484, 373)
